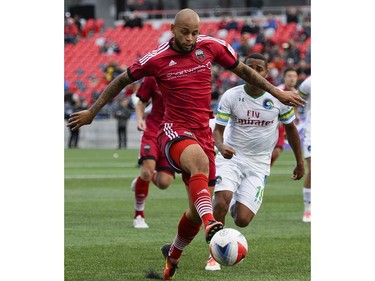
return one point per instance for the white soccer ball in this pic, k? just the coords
(228, 247)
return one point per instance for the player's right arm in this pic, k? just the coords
(225, 150)
(85, 117)
(251, 76)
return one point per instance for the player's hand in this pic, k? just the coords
(290, 98)
(299, 172)
(141, 125)
(78, 119)
(226, 151)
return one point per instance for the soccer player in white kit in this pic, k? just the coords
(250, 117)
(305, 92)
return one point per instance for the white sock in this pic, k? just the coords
(307, 198)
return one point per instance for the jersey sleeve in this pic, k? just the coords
(305, 88)
(145, 66)
(224, 110)
(287, 114)
(137, 70)
(224, 53)
(146, 89)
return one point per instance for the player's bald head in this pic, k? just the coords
(185, 30)
(186, 16)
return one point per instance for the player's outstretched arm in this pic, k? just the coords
(251, 76)
(85, 117)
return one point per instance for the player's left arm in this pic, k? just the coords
(251, 76)
(295, 143)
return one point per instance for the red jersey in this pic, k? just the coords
(185, 79)
(149, 89)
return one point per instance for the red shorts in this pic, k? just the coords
(149, 150)
(169, 134)
(281, 141)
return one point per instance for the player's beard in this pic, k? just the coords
(181, 47)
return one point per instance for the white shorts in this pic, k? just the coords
(247, 186)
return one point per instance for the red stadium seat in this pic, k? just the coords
(87, 28)
(99, 24)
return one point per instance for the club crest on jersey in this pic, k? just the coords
(200, 54)
(219, 179)
(146, 148)
(268, 104)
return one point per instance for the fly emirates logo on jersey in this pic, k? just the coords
(253, 119)
(185, 72)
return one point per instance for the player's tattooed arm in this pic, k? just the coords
(111, 91)
(254, 78)
(85, 117)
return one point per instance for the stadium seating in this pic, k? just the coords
(82, 60)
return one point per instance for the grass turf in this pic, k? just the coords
(102, 245)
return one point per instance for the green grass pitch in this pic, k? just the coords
(102, 245)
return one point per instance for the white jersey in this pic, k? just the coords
(252, 125)
(305, 92)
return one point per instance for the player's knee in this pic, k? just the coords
(164, 183)
(243, 219)
(201, 165)
(220, 208)
(195, 160)
(241, 222)
(147, 175)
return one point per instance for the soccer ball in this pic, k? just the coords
(228, 247)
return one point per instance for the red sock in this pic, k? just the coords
(187, 230)
(201, 196)
(141, 192)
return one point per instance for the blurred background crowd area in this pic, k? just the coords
(96, 49)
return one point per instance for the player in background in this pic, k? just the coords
(305, 92)
(153, 164)
(182, 68)
(290, 76)
(251, 116)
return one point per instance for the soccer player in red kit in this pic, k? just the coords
(153, 163)
(182, 68)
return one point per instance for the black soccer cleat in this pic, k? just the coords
(212, 228)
